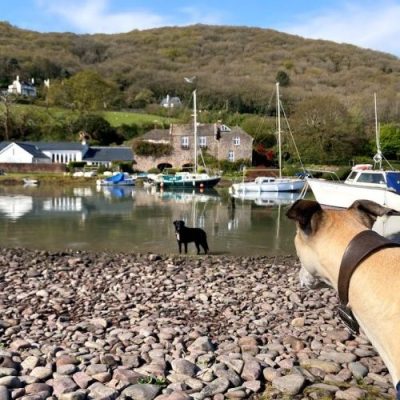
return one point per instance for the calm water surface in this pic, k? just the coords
(140, 220)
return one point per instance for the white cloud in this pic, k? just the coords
(94, 16)
(370, 25)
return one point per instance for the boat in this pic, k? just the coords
(363, 183)
(268, 183)
(187, 180)
(118, 179)
(30, 181)
(193, 179)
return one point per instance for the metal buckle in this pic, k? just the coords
(347, 316)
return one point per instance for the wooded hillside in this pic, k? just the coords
(236, 66)
(327, 88)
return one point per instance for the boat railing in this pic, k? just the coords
(332, 174)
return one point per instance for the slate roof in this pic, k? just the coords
(90, 153)
(29, 147)
(96, 153)
(156, 134)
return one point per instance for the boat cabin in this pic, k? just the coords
(364, 175)
(264, 179)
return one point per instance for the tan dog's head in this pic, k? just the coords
(323, 235)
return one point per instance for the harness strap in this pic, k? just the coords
(360, 247)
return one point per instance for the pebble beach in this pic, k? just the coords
(81, 325)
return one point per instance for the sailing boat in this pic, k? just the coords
(363, 182)
(189, 179)
(268, 183)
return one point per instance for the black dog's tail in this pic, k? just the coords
(205, 246)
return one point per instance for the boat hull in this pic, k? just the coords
(286, 185)
(194, 183)
(337, 194)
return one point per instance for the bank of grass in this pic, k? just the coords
(55, 178)
(115, 118)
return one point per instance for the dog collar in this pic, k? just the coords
(363, 245)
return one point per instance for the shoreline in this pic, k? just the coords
(78, 324)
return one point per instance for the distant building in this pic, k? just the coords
(171, 102)
(218, 140)
(62, 153)
(22, 88)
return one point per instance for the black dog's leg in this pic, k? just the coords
(197, 247)
(185, 244)
(180, 247)
(205, 247)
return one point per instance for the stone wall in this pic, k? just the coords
(20, 167)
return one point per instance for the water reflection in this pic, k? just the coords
(117, 192)
(134, 219)
(15, 207)
(270, 199)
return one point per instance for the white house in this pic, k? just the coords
(62, 153)
(22, 88)
(22, 153)
(171, 102)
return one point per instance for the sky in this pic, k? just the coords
(365, 23)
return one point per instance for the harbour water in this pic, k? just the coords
(133, 219)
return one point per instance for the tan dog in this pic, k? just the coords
(374, 292)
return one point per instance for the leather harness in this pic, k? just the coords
(363, 245)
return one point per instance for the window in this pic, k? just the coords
(185, 142)
(202, 141)
(231, 156)
(236, 141)
(371, 178)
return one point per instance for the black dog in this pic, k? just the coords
(186, 235)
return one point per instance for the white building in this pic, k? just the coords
(62, 153)
(22, 88)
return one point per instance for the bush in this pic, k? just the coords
(154, 171)
(147, 149)
(124, 167)
(75, 165)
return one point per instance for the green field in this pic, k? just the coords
(115, 118)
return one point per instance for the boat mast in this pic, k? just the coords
(378, 155)
(278, 114)
(195, 130)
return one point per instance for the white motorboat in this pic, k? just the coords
(268, 183)
(363, 183)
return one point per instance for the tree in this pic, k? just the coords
(86, 91)
(325, 131)
(283, 78)
(390, 140)
(99, 130)
(5, 113)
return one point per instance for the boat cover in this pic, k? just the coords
(393, 181)
(116, 178)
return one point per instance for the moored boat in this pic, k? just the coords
(119, 179)
(380, 186)
(187, 180)
(30, 181)
(363, 183)
(272, 184)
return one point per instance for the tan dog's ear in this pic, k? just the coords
(368, 211)
(303, 211)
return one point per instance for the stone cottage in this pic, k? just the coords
(218, 140)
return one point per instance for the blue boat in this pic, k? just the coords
(119, 179)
